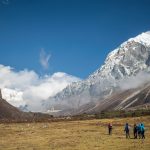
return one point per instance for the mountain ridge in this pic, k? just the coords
(129, 59)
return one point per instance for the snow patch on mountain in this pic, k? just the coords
(143, 38)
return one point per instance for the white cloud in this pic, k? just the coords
(134, 81)
(44, 59)
(14, 97)
(27, 87)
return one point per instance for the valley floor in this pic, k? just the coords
(73, 135)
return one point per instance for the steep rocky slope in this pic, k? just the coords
(122, 100)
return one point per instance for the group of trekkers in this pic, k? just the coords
(138, 130)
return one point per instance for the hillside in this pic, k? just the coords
(9, 113)
(132, 99)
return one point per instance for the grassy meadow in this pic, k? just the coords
(73, 135)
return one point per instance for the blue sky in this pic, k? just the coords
(75, 35)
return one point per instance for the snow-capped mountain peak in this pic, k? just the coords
(132, 53)
(127, 60)
(143, 38)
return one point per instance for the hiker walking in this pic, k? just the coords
(135, 131)
(139, 130)
(142, 131)
(127, 131)
(109, 128)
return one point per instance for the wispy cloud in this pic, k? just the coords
(134, 81)
(44, 59)
(5, 2)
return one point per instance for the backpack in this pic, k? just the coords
(142, 128)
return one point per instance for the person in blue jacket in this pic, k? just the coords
(139, 130)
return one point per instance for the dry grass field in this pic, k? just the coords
(72, 135)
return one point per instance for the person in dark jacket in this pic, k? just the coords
(109, 128)
(127, 130)
(142, 131)
(135, 131)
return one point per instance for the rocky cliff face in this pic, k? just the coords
(129, 59)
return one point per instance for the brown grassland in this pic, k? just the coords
(73, 135)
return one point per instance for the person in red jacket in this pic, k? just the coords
(109, 128)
